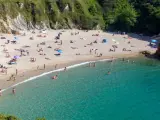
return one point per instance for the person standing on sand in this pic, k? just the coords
(56, 66)
(16, 72)
(28, 53)
(11, 77)
(0, 92)
(6, 71)
(21, 52)
(37, 67)
(96, 51)
(44, 67)
(90, 51)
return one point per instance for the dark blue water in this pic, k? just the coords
(130, 92)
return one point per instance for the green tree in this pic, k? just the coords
(122, 17)
(148, 19)
(8, 117)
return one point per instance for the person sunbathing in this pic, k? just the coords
(31, 38)
(90, 43)
(47, 58)
(57, 49)
(49, 47)
(8, 41)
(74, 47)
(42, 43)
(32, 59)
(5, 50)
(110, 50)
(71, 41)
(124, 49)
(40, 50)
(13, 42)
(95, 41)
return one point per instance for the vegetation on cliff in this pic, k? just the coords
(125, 15)
(8, 117)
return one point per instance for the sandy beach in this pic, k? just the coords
(32, 53)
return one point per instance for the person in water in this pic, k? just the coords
(13, 90)
(55, 77)
(109, 72)
(94, 64)
(65, 68)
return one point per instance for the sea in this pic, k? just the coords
(130, 92)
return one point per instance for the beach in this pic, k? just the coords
(31, 53)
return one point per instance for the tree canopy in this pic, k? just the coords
(140, 16)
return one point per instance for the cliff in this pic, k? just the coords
(55, 14)
(121, 15)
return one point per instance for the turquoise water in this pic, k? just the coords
(130, 92)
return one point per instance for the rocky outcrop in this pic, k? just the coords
(157, 37)
(158, 51)
(146, 53)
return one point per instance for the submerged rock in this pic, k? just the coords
(146, 53)
(158, 51)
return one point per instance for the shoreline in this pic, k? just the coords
(34, 54)
(30, 75)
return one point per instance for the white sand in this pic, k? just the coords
(69, 54)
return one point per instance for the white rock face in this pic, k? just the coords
(17, 24)
(21, 5)
(66, 8)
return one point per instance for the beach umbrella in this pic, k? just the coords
(153, 41)
(16, 57)
(59, 51)
(15, 38)
(104, 40)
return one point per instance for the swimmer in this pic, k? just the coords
(94, 64)
(13, 90)
(109, 72)
(55, 77)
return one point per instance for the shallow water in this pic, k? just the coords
(130, 92)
